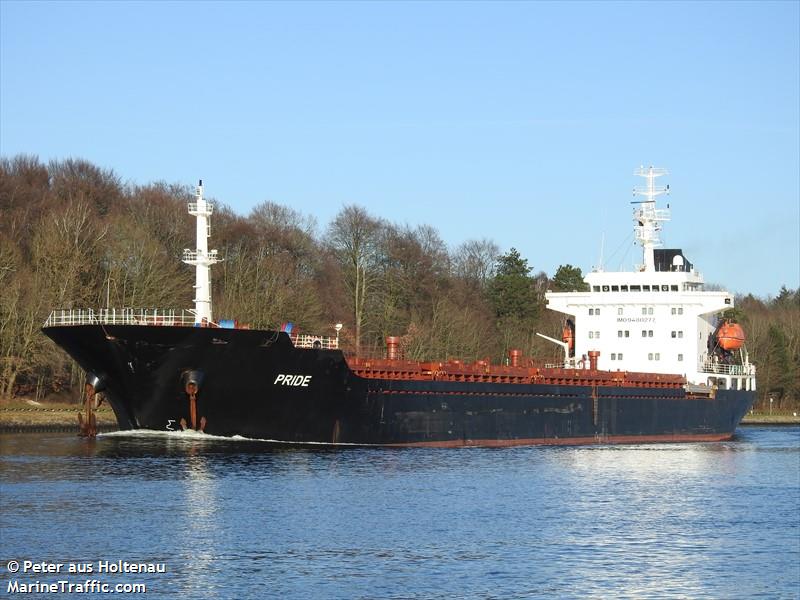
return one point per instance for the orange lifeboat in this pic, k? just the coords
(730, 336)
(568, 336)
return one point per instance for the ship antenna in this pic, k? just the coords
(647, 217)
(202, 258)
(602, 251)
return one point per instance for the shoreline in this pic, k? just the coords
(21, 417)
(767, 419)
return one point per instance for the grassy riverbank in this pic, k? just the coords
(771, 419)
(27, 415)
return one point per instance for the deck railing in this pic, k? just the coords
(158, 316)
(120, 316)
(723, 369)
(315, 341)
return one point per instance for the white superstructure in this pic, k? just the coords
(201, 257)
(656, 319)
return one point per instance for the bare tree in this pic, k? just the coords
(271, 260)
(140, 271)
(66, 250)
(77, 180)
(24, 191)
(354, 236)
(475, 260)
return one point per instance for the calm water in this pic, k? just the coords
(243, 520)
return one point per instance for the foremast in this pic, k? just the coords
(201, 257)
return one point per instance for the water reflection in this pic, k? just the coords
(200, 522)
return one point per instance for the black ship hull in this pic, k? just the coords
(257, 384)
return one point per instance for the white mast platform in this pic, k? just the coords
(202, 258)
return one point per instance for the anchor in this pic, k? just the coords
(191, 385)
(87, 423)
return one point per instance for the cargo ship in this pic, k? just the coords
(644, 356)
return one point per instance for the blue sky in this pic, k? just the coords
(520, 122)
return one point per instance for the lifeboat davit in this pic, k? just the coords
(730, 336)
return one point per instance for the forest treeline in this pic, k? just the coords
(74, 235)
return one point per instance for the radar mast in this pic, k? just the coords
(647, 217)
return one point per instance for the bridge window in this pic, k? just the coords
(649, 356)
(595, 288)
(614, 288)
(636, 288)
(623, 288)
(645, 288)
(680, 357)
(619, 310)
